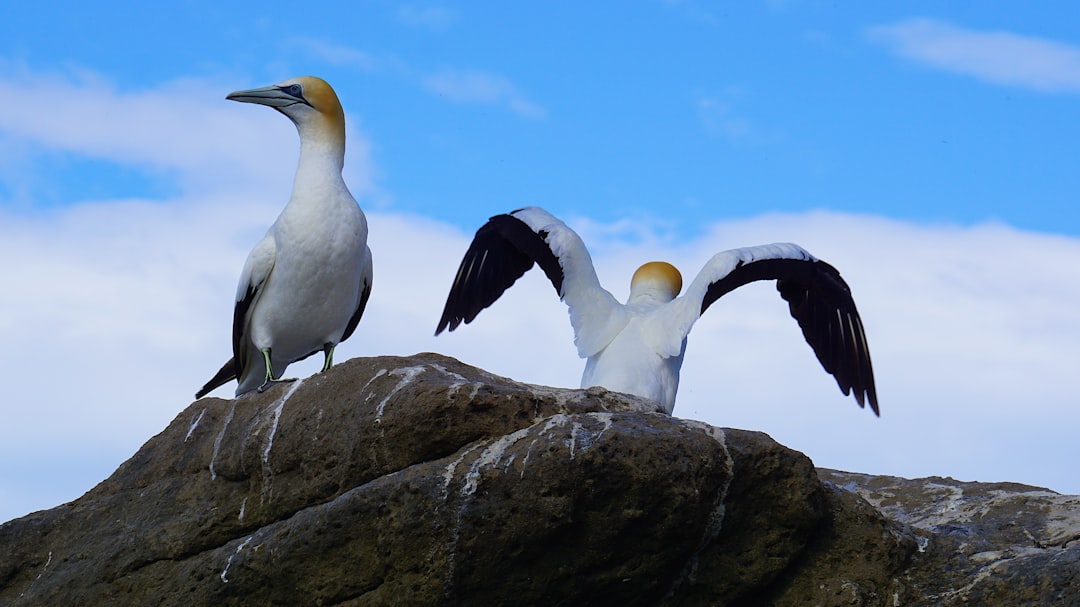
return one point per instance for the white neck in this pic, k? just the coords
(649, 295)
(322, 143)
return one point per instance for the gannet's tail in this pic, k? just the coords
(224, 376)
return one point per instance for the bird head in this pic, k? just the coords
(307, 101)
(657, 279)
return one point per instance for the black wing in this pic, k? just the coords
(818, 299)
(365, 294)
(501, 252)
(234, 367)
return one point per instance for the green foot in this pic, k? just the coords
(328, 352)
(269, 380)
(270, 383)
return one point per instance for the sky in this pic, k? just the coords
(928, 150)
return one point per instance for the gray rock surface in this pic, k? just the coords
(423, 481)
(980, 543)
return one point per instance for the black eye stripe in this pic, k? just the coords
(295, 90)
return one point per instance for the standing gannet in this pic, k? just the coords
(305, 284)
(638, 347)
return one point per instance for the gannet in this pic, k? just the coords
(305, 285)
(638, 347)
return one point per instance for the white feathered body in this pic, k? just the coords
(630, 364)
(305, 285)
(313, 260)
(319, 243)
(636, 347)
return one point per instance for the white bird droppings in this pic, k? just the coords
(194, 425)
(217, 441)
(448, 473)
(45, 567)
(441, 369)
(579, 436)
(459, 381)
(377, 375)
(228, 563)
(407, 375)
(489, 457)
(716, 516)
(277, 416)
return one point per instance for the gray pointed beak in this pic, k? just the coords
(273, 96)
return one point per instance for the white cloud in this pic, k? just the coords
(719, 118)
(184, 128)
(114, 312)
(114, 319)
(722, 114)
(462, 86)
(999, 57)
(483, 88)
(337, 54)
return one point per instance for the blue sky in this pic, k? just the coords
(670, 109)
(926, 149)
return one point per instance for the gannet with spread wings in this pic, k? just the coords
(638, 347)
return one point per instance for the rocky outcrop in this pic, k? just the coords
(423, 481)
(979, 543)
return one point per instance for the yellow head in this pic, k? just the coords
(317, 93)
(657, 276)
(308, 101)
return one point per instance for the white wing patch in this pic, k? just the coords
(596, 316)
(669, 326)
(259, 264)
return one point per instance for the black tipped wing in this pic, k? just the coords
(257, 268)
(235, 365)
(234, 368)
(830, 322)
(819, 300)
(501, 252)
(239, 332)
(365, 294)
(223, 376)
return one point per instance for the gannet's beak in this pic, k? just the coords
(277, 96)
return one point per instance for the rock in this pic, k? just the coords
(857, 557)
(771, 510)
(980, 543)
(423, 481)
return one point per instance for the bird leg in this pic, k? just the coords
(269, 381)
(328, 352)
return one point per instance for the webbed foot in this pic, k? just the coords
(269, 378)
(270, 383)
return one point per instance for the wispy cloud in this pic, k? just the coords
(999, 57)
(721, 114)
(462, 86)
(484, 88)
(337, 54)
(428, 17)
(719, 118)
(184, 130)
